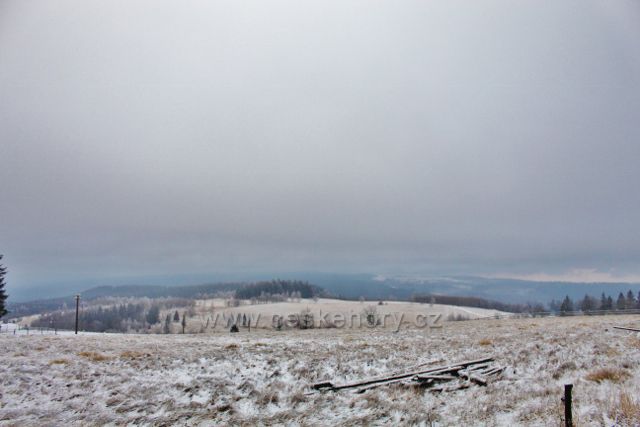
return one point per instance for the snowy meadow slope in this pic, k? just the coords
(264, 377)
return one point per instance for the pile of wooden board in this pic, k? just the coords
(441, 378)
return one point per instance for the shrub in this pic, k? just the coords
(131, 354)
(608, 374)
(93, 356)
(371, 315)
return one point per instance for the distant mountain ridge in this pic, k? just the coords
(124, 291)
(511, 291)
(367, 286)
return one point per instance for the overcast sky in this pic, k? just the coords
(174, 137)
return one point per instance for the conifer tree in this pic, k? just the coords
(587, 304)
(153, 315)
(631, 300)
(167, 324)
(603, 302)
(566, 306)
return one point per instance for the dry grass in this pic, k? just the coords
(298, 397)
(563, 368)
(634, 342)
(614, 375)
(132, 354)
(263, 378)
(59, 362)
(267, 397)
(626, 410)
(611, 352)
(93, 356)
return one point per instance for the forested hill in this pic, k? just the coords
(189, 291)
(242, 290)
(125, 291)
(283, 288)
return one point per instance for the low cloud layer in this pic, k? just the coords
(154, 138)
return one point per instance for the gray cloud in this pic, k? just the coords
(157, 137)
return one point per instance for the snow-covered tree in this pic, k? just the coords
(153, 315)
(167, 324)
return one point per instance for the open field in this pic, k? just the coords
(351, 312)
(216, 315)
(262, 377)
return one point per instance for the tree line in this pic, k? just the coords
(262, 290)
(125, 317)
(462, 301)
(592, 304)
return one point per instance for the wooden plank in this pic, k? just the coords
(493, 371)
(477, 367)
(434, 377)
(452, 388)
(323, 385)
(626, 329)
(372, 386)
(474, 378)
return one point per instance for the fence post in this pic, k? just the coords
(77, 310)
(568, 417)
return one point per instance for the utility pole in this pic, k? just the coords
(77, 311)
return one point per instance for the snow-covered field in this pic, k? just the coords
(263, 377)
(346, 314)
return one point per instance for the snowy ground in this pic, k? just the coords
(348, 314)
(262, 377)
(8, 327)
